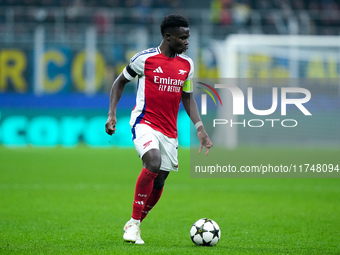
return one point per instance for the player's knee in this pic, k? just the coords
(152, 160)
(153, 165)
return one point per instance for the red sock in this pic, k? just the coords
(142, 192)
(151, 202)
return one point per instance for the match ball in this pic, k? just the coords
(205, 232)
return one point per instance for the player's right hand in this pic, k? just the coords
(110, 126)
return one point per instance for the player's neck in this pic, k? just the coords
(166, 51)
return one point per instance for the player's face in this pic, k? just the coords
(178, 39)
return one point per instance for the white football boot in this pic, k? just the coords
(139, 240)
(132, 232)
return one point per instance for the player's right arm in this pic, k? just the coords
(115, 95)
(134, 68)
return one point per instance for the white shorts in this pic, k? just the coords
(146, 138)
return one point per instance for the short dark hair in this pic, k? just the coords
(172, 21)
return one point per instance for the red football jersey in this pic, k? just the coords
(161, 81)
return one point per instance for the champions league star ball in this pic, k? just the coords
(205, 232)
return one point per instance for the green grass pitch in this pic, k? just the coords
(76, 201)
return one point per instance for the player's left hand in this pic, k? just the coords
(205, 141)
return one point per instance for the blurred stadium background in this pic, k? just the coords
(58, 59)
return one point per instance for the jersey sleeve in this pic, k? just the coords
(188, 85)
(135, 67)
(128, 73)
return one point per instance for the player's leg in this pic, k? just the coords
(152, 160)
(169, 156)
(143, 190)
(145, 181)
(160, 180)
(147, 147)
(156, 193)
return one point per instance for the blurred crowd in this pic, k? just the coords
(279, 16)
(94, 3)
(79, 11)
(273, 16)
(251, 4)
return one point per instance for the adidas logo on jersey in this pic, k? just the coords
(158, 70)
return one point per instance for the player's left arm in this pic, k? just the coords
(190, 107)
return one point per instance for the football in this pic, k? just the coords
(205, 232)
